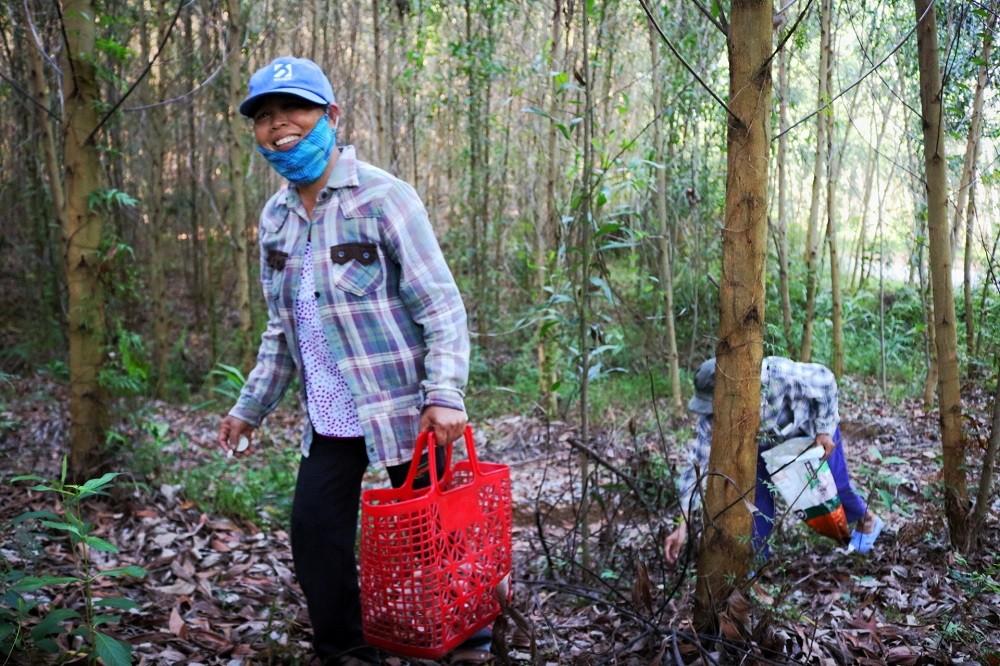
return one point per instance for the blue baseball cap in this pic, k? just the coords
(290, 76)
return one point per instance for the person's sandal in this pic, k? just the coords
(863, 542)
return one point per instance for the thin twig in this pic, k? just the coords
(707, 14)
(69, 51)
(629, 481)
(38, 39)
(178, 98)
(864, 53)
(673, 49)
(26, 95)
(833, 99)
(163, 42)
(791, 31)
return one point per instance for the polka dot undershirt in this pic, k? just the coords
(328, 398)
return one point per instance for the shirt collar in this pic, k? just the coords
(344, 174)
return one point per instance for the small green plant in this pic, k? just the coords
(230, 381)
(126, 372)
(886, 482)
(23, 602)
(260, 491)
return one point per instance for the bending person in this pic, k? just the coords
(797, 400)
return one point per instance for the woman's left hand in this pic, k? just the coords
(447, 424)
(824, 440)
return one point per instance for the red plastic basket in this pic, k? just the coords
(432, 557)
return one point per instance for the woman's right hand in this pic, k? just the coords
(231, 430)
(674, 543)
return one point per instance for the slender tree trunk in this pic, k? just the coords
(666, 271)
(985, 491)
(968, 185)
(545, 229)
(725, 552)
(379, 149)
(82, 236)
(237, 173)
(949, 397)
(153, 200)
(812, 244)
(782, 230)
(975, 129)
(192, 167)
(208, 209)
(50, 152)
(930, 349)
(858, 272)
(881, 282)
(583, 286)
(970, 219)
(833, 169)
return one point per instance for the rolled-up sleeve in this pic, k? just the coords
(687, 485)
(428, 289)
(274, 369)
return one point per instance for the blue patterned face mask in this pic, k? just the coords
(305, 162)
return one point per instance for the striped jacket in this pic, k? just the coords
(388, 304)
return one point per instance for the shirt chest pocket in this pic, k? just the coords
(356, 267)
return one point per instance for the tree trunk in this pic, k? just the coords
(193, 194)
(547, 225)
(858, 270)
(585, 223)
(985, 491)
(833, 169)
(152, 137)
(666, 272)
(237, 172)
(725, 552)
(812, 245)
(975, 129)
(782, 230)
(930, 350)
(970, 224)
(82, 236)
(53, 172)
(377, 93)
(968, 185)
(949, 397)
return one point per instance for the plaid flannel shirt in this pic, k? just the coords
(796, 400)
(388, 304)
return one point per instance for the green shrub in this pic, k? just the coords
(30, 623)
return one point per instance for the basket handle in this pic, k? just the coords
(426, 440)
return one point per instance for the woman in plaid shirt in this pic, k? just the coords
(797, 399)
(361, 302)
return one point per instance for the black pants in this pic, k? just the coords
(324, 529)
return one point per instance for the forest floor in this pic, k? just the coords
(221, 590)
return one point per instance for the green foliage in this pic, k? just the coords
(260, 491)
(105, 200)
(229, 381)
(126, 372)
(886, 482)
(30, 623)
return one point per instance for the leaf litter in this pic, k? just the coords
(221, 590)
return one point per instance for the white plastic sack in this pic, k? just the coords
(807, 485)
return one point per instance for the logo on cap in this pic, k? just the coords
(283, 71)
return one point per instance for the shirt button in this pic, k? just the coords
(316, 294)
